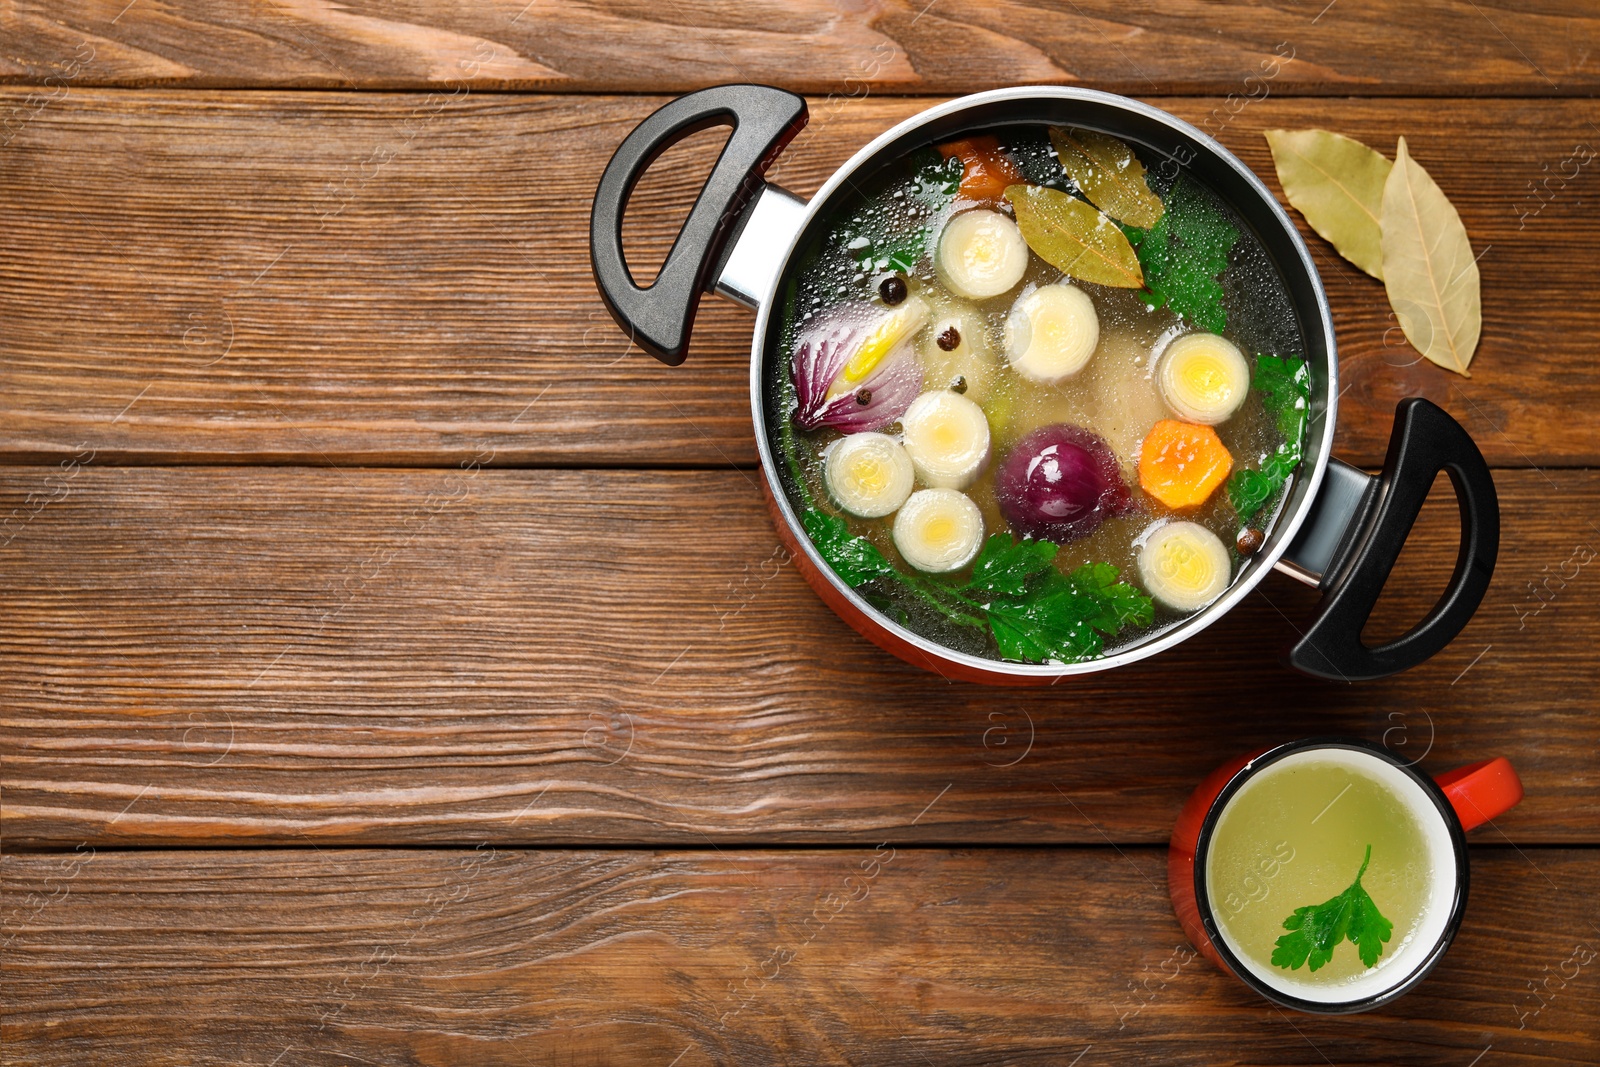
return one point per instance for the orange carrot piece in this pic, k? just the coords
(986, 170)
(1181, 464)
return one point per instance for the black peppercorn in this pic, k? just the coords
(1250, 541)
(949, 339)
(863, 397)
(893, 289)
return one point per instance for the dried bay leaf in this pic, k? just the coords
(1109, 174)
(1337, 184)
(1428, 267)
(1074, 238)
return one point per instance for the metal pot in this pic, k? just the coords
(1339, 530)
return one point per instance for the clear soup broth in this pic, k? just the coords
(1039, 399)
(1330, 875)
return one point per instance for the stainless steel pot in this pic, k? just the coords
(1339, 530)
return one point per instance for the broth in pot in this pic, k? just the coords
(1042, 402)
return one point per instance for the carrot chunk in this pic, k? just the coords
(986, 169)
(1182, 464)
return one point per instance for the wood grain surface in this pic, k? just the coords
(377, 279)
(817, 46)
(293, 655)
(335, 512)
(888, 955)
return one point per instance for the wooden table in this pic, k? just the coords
(398, 670)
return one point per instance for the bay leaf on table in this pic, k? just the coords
(1337, 184)
(1109, 174)
(1428, 267)
(1074, 238)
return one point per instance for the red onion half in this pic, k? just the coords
(1060, 483)
(820, 356)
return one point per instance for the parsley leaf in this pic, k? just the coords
(1249, 490)
(1285, 388)
(881, 241)
(1035, 613)
(1005, 566)
(1119, 603)
(1182, 255)
(1317, 929)
(1053, 624)
(855, 559)
(1039, 614)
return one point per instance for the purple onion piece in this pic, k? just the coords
(1060, 483)
(820, 356)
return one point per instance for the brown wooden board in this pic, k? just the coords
(377, 279)
(254, 252)
(293, 655)
(886, 955)
(817, 46)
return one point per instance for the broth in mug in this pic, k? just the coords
(1331, 875)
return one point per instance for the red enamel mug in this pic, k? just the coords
(1228, 917)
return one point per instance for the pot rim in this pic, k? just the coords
(1288, 523)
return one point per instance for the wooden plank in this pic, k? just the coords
(945, 46)
(886, 956)
(374, 279)
(274, 655)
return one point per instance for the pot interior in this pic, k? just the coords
(1170, 151)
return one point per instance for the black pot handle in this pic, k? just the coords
(658, 318)
(1425, 441)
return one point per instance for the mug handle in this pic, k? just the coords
(1481, 791)
(658, 318)
(1359, 536)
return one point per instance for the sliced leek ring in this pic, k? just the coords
(981, 254)
(1051, 332)
(1184, 565)
(947, 437)
(868, 474)
(938, 530)
(1203, 378)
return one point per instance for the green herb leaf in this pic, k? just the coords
(1035, 613)
(1006, 566)
(1249, 490)
(901, 255)
(1284, 385)
(1317, 929)
(1285, 388)
(1073, 237)
(1182, 255)
(881, 242)
(854, 559)
(1044, 629)
(1119, 603)
(1041, 614)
